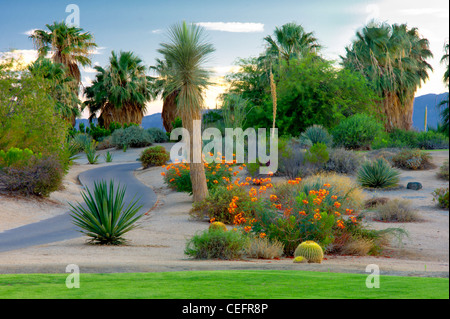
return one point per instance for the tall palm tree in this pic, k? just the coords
(119, 92)
(186, 52)
(161, 87)
(393, 59)
(291, 41)
(59, 88)
(444, 103)
(69, 46)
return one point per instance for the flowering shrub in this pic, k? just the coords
(177, 175)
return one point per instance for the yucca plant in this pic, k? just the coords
(104, 217)
(91, 151)
(316, 134)
(108, 157)
(378, 174)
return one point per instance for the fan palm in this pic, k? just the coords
(291, 41)
(69, 45)
(393, 59)
(161, 87)
(119, 92)
(67, 102)
(444, 103)
(186, 53)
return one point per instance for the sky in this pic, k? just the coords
(235, 28)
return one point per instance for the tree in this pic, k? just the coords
(161, 87)
(58, 86)
(186, 52)
(444, 103)
(393, 59)
(120, 91)
(291, 41)
(70, 46)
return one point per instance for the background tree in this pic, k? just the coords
(186, 52)
(161, 86)
(393, 60)
(444, 103)
(69, 46)
(119, 92)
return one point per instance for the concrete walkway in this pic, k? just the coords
(61, 227)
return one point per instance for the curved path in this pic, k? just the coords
(61, 227)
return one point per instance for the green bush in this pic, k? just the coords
(16, 157)
(132, 136)
(216, 244)
(216, 205)
(441, 196)
(412, 159)
(378, 174)
(40, 176)
(411, 139)
(104, 218)
(154, 156)
(157, 135)
(316, 134)
(317, 154)
(431, 140)
(356, 132)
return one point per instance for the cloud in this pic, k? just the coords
(29, 32)
(157, 31)
(97, 50)
(24, 57)
(233, 26)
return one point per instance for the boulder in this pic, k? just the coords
(414, 185)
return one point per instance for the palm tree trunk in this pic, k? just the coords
(169, 111)
(197, 170)
(397, 115)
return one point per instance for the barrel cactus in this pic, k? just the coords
(310, 250)
(300, 259)
(217, 226)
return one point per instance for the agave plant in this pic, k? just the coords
(378, 174)
(91, 153)
(104, 218)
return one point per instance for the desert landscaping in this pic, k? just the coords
(159, 241)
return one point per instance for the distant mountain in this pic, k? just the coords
(431, 101)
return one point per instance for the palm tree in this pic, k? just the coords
(444, 103)
(393, 59)
(119, 92)
(186, 53)
(291, 41)
(55, 74)
(161, 87)
(69, 46)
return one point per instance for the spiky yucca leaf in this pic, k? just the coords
(104, 218)
(378, 174)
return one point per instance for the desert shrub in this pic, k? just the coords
(177, 176)
(343, 161)
(378, 174)
(105, 143)
(16, 157)
(441, 197)
(317, 154)
(316, 134)
(105, 219)
(396, 210)
(217, 204)
(431, 140)
(157, 135)
(340, 185)
(80, 141)
(356, 132)
(40, 176)
(216, 244)
(261, 247)
(154, 156)
(412, 159)
(443, 171)
(132, 136)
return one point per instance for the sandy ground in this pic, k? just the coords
(158, 244)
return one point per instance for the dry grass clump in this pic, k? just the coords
(348, 245)
(397, 210)
(443, 171)
(264, 248)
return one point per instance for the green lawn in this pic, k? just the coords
(247, 284)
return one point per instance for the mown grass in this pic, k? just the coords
(249, 284)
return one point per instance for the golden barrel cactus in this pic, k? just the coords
(217, 226)
(310, 250)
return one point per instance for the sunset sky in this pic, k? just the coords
(236, 28)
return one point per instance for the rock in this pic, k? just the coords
(414, 185)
